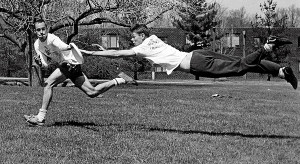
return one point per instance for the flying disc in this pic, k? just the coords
(77, 54)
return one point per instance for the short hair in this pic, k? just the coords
(39, 20)
(140, 28)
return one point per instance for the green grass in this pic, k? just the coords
(253, 122)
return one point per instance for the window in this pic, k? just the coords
(110, 41)
(232, 40)
(187, 41)
(158, 68)
(257, 42)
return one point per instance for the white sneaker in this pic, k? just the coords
(128, 79)
(33, 120)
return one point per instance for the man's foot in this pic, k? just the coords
(290, 77)
(127, 78)
(33, 120)
(277, 41)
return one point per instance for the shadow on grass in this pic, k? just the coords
(132, 127)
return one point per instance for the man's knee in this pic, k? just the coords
(47, 87)
(48, 84)
(44, 84)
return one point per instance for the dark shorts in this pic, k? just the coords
(71, 71)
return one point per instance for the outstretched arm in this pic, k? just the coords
(111, 53)
(99, 47)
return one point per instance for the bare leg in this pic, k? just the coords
(53, 80)
(84, 84)
(81, 82)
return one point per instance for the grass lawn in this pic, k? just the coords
(251, 122)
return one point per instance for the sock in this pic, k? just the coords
(280, 73)
(268, 47)
(119, 81)
(41, 115)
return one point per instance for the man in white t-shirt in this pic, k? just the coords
(202, 62)
(50, 47)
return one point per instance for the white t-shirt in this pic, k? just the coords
(51, 48)
(158, 52)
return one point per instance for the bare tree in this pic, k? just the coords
(271, 23)
(293, 15)
(16, 17)
(238, 18)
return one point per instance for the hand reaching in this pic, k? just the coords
(37, 60)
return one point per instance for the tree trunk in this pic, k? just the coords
(37, 77)
(135, 77)
(8, 73)
(135, 72)
(29, 57)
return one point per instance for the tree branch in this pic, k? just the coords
(43, 3)
(3, 24)
(159, 15)
(12, 38)
(104, 20)
(89, 4)
(3, 10)
(64, 22)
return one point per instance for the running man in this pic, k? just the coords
(50, 47)
(202, 62)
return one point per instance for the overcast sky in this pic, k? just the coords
(252, 6)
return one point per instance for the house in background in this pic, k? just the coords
(119, 38)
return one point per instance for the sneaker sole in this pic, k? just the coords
(127, 78)
(32, 123)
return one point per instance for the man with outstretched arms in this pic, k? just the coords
(202, 62)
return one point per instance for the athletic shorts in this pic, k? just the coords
(71, 71)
